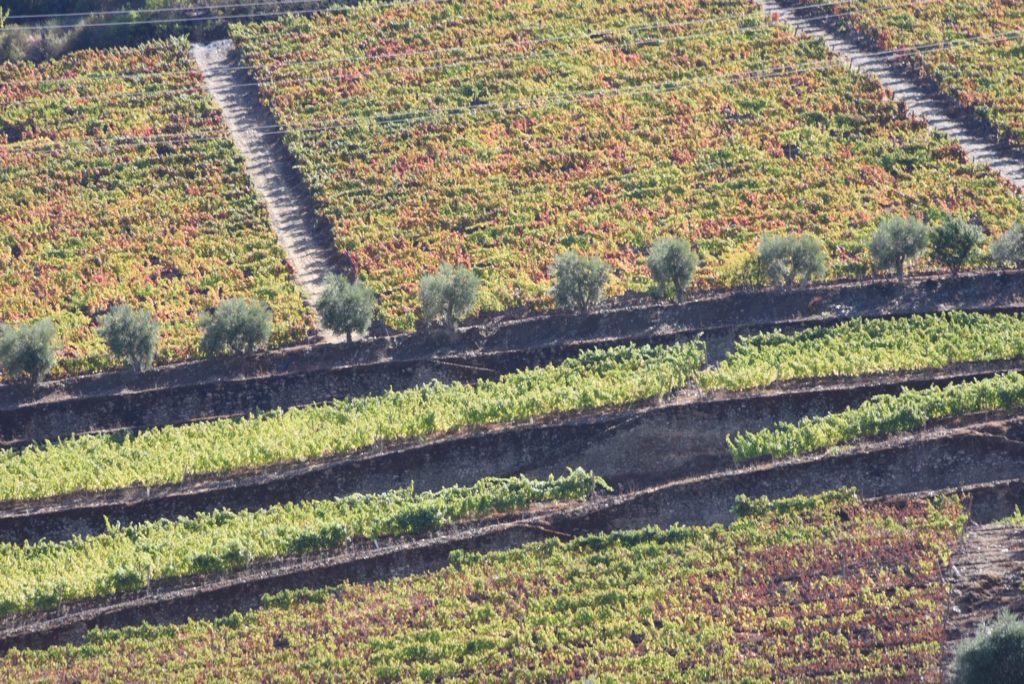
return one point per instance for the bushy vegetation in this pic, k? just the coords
(448, 295)
(579, 281)
(786, 259)
(240, 326)
(725, 604)
(994, 655)
(171, 224)
(594, 379)
(1008, 248)
(672, 263)
(346, 308)
(954, 240)
(131, 557)
(28, 350)
(131, 334)
(897, 241)
(600, 145)
(880, 416)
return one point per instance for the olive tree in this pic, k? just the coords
(898, 240)
(238, 325)
(28, 350)
(448, 295)
(672, 263)
(994, 654)
(784, 259)
(1008, 248)
(346, 307)
(131, 335)
(953, 242)
(579, 281)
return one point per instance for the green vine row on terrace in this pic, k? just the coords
(823, 587)
(868, 346)
(171, 225)
(44, 575)
(594, 379)
(614, 377)
(880, 416)
(495, 135)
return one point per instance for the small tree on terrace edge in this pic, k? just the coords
(238, 325)
(29, 349)
(579, 281)
(131, 335)
(954, 241)
(672, 263)
(346, 307)
(897, 240)
(448, 295)
(1008, 248)
(995, 654)
(784, 259)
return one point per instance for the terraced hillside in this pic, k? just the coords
(497, 135)
(971, 51)
(119, 184)
(822, 587)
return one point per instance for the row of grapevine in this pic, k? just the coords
(866, 346)
(594, 379)
(981, 64)
(529, 128)
(879, 416)
(47, 574)
(120, 184)
(826, 587)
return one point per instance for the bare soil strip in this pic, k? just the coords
(309, 246)
(986, 575)
(920, 98)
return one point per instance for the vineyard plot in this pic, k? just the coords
(825, 587)
(118, 183)
(499, 134)
(974, 50)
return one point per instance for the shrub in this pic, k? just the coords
(784, 259)
(448, 295)
(1008, 248)
(897, 240)
(954, 241)
(239, 325)
(346, 307)
(131, 334)
(672, 263)
(579, 281)
(995, 654)
(29, 349)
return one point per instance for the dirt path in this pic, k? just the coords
(978, 147)
(986, 574)
(254, 130)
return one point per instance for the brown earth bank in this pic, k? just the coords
(304, 375)
(631, 447)
(958, 462)
(985, 576)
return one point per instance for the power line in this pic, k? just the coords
(565, 38)
(162, 10)
(413, 116)
(193, 20)
(418, 116)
